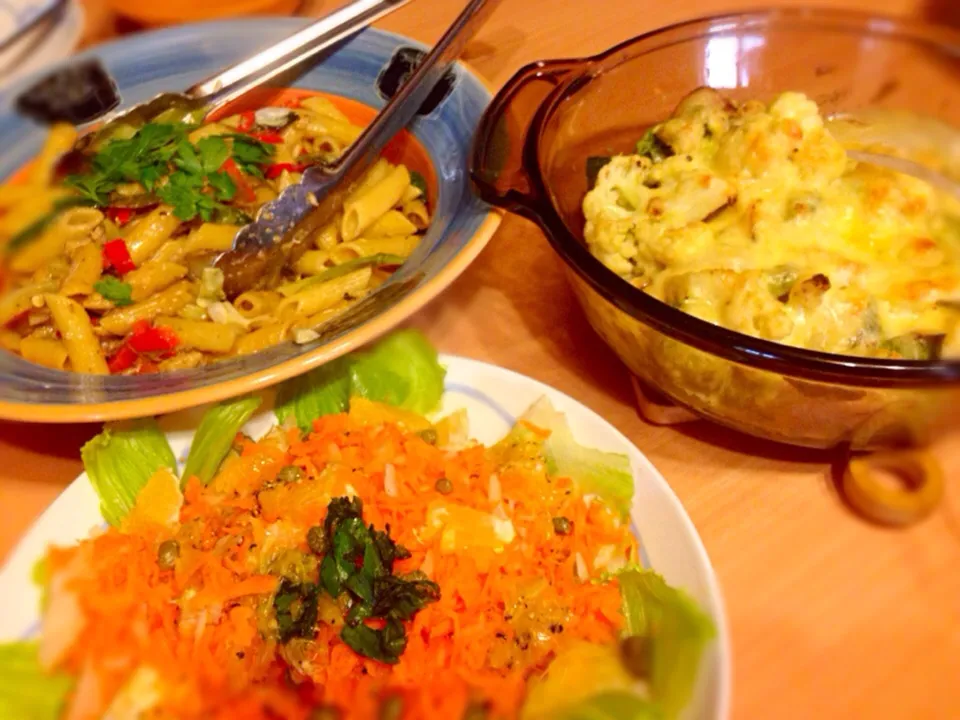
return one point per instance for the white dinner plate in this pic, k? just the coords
(493, 398)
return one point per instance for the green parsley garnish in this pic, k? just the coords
(116, 291)
(418, 181)
(184, 175)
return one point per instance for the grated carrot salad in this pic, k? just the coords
(204, 631)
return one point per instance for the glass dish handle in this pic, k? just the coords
(501, 158)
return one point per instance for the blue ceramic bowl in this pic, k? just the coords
(175, 58)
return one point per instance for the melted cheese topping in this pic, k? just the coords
(754, 218)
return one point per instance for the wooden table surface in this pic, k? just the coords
(830, 617)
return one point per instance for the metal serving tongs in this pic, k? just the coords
(203, 98)
(284, 227)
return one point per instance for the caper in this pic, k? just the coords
(635, 656)
(317, 540)
(429, 436)
(167, 554)
(562, 526)
(289, 474)
(391, 708)
(444, 486)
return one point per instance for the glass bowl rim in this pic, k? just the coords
(719, 341)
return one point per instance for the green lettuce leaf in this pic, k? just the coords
(121, 459)
(616, 705)
(678, 631)
(401, 370)
(324, 391)
(26, 691)
(214, 437)
(605, 474)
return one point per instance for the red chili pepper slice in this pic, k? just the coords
(119, 215)
(152, 339)
(246, 121)
(245, 193)
(268, 136)
(116, 254)
(122, 359)
(274, 171)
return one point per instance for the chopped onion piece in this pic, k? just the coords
(274, 117)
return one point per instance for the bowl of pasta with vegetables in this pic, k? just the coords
(342, 547)
(112, 302)
(725, 238)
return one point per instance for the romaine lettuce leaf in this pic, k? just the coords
(605, 474)
(402, 370)
(323, 391)
(678, 631)
(119, 462)
(214, 437)
(26, 691)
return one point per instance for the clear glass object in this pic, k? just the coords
(529, 157)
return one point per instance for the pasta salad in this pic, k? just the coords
(108, 254)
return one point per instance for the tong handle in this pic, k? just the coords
(254, 71)
(403, 106)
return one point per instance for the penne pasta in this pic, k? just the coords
(66, 227)
(313, 262)
(168, 302)
(392, 223)
(416, 213)
(361, 210)
(76, 331)
(364, 247)
(210, 237)
(18, 302)
(262, 338)
(324, 294)
(342, 132)
(256, 303)
(201, 335)
(153, 277)
(329, 235)
(146, 237)
(61, 138)
(85, 269)
(322, 107)
(44, 351)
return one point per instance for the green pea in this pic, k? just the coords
(562, 526)
(317, 540)
(167, 554)
(635, 655)
(444, 486)
(429, 436)
(289, 474)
